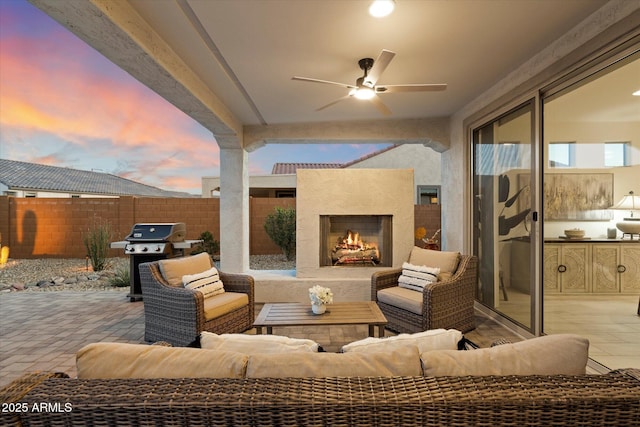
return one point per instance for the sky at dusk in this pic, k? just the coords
(63, 104)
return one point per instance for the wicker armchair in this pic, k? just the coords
(177, 315)
(446, 304)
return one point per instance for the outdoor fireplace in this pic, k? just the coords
(356, 240)
(375, 204)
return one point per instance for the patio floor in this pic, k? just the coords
(43, 331)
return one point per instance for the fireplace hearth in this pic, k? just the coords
(356, 240)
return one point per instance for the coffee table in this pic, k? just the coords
(341, 313)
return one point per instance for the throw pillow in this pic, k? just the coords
(416, 277)
(254, 344)
(434, 339)
(173, 269)
(400, 362)
(447, 262)
(208, 282)
(118, 360)
(548, 355)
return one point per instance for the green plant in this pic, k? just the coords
(281, 228)
(121, 278)
(96, 241)
(208, 245)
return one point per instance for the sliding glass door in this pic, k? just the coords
(502, 226)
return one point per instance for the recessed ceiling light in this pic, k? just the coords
(381, 8)
(636, 93)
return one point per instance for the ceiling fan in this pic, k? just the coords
(366, 88)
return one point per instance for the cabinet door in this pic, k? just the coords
(550, 265)
(604, 268)
(576, 259)
(630, 263)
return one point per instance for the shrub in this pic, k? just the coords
(122, 277)
(96, 241)
(208, 245)
(281, 228)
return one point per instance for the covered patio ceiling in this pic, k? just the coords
(228, 64)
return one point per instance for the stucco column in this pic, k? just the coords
(234, 210)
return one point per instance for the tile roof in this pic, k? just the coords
(368, 156)
(31, 176)
(290, 168)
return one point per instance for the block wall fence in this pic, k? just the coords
(54, 227)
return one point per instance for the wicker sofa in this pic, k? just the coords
(582, 400)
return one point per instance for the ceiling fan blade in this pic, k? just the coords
(307, 79)
(380, 105)
(411, 88)
(379, 65)
(334, 102)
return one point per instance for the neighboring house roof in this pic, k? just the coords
(31, 176)
(290, 168)
(368, 156)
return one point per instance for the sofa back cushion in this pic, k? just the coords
(173, 269)
(400, 362)
(548, 355)
(447, 262)
(119, 360)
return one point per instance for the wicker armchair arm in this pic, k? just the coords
(444, 301)
(234, 282)
(382, 280)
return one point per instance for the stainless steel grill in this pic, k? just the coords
(151, 242)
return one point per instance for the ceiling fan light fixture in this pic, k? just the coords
(381, 8)
(363, 93)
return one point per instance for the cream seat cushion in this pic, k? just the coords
(403, 298)
(548, 355)
(251, 344)
(447, 262)
(173, 269)
(400, 362)
(119, 360)
(221, 304)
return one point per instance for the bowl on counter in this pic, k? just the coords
(574, 233)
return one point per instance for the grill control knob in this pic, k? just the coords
(144, 249)
(158, 248)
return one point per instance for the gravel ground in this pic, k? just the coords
(49, 274)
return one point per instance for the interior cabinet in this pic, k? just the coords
(567, 268)
(630, 277)
(607, 268)
(579, 267)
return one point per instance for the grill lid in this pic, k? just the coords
(162, 232)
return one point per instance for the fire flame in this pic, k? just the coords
(352, 240)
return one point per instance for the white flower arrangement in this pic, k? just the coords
(320, 295)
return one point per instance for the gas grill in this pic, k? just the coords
(151, 242)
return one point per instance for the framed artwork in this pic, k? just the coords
(574, 196)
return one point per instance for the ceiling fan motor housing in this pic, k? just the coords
(365, 64)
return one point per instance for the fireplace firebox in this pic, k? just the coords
(356, 240)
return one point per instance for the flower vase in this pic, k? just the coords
(318, 308)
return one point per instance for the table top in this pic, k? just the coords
(340, 313)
